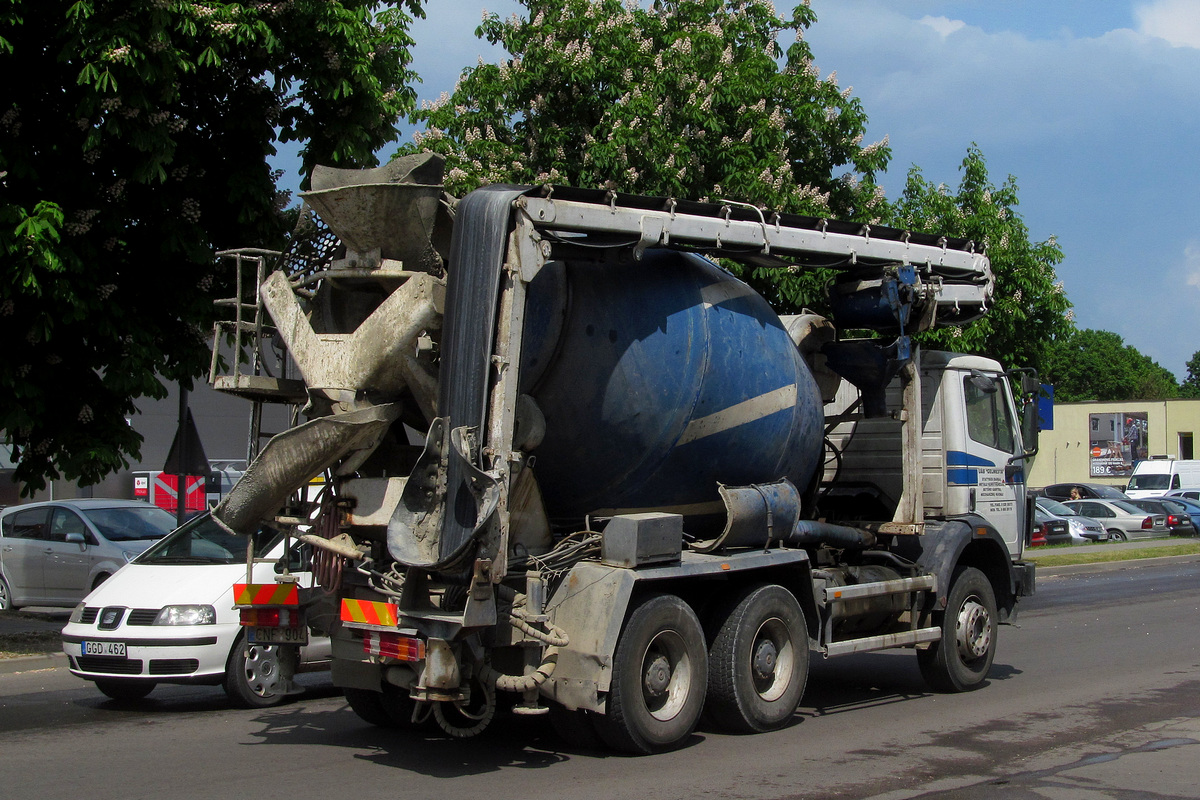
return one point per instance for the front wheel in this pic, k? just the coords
(252, 674)
(659, 678)
(960, 661)
(125, 690)
(758, 661)
(1115, 535)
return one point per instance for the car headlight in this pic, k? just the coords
(77, 614)
(186, 615)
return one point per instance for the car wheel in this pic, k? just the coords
(125, 691)
(252, 674)
(1115, 535)
(6, 602)
(659, 678)
(758, 661)
(960, 660)
(101, 578)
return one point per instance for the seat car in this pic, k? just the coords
(1062, 491)
(1084, 530)
(1122, 519)
(1050, 529)
(53, 553)
(169, 617)
(1179, 521)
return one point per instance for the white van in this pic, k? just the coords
(1155, 476)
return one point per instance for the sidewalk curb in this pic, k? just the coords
(1111, 566)
(9, 666)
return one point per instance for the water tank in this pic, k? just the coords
(658, 380)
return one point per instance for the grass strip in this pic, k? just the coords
(1103, 556)
(30, 643)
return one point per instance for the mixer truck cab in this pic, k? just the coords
(569, 458)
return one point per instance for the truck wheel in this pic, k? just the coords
(960, 661)
(125, 690)
(758, 661)
(659, 675)
(1115, 535)
(252, 674)
(391, 708)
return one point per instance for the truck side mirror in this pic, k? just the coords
(1030, 427)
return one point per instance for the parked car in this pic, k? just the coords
(53, 553)
(1062, 492)
(1050, 529)
(1179, 523)
(1186, 505)
(1122, 519)
(169, 617)
(1084, 530)
(1190, 494)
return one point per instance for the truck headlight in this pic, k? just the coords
(186, 615)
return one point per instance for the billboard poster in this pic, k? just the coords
(1118, 441)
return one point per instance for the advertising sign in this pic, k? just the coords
(1117, 442)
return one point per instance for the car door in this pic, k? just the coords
(24, 553)
(68, 564)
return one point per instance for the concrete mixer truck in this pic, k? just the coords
(569, 465)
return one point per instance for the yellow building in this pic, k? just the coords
(1098, 442)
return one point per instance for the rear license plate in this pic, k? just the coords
(103, 649)
(278, 635)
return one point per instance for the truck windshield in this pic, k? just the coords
(203, 541)
(129, 524)
(1150, 481)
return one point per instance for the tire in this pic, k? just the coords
(391, 708)
(101, 578)
(252, 673)
(960, 661)
(576, 728)
(125, 691)
(659, 678)
(758, 661)
(6, 598)
(1115, 535)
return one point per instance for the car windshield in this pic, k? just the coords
(1128, 507)
(1150, 481)
(1055, 507)
(126, 524)
(203, 541)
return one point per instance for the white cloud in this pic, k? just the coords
(943, 25)
(1177, 21)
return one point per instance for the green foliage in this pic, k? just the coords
(133, 144)
(683, 98)
(1191, 385)
(1098, 365)
(1030, 306)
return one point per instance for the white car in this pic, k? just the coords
(169, 617)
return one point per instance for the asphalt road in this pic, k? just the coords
(1095, 695)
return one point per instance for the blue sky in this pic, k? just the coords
(1092, 105)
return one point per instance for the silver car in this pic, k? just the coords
(1122, 519)
(53, 553)
(1084, 530)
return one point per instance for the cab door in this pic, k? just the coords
(996, 491)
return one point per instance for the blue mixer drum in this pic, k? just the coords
(660, 379)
